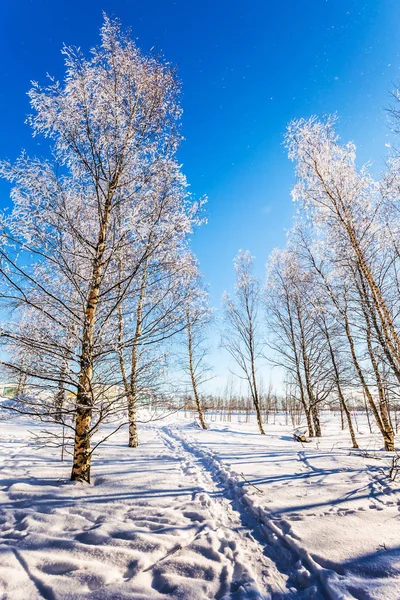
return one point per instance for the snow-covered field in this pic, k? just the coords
(224, 513)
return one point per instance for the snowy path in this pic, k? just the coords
(250, 573)
(174, 519)
(328, 518)
(153, 525)
(271, 542)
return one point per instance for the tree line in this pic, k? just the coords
(330, 304)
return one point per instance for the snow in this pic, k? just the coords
(225, 513)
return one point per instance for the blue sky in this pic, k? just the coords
(247, 68)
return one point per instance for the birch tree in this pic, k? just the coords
(113, 127)
(294, 336)
(348, 208)
(347, 203)
(148, 318)
(242, 333)
(197, 320)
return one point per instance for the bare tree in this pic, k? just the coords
(344, 308)
(198, 317)
(242, 334)
(347, 203)
(114, 127)
(295, 338)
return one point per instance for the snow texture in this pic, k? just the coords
(190, 514)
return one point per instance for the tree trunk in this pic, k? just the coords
(317, 424)
(343, 404)
(82, 453)
(22, 379)
(256, 398)
(348, 417)
(310, 426)
(312, 401)
(388, 434)
(259, 417)
(366, 391)
(298, 373)
(60, 398)
(367, 412)
(192, 370)
(133, 441)
(363, 381)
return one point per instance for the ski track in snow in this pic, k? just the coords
(271, 537)
(142, 539)
(308, 576)
(250, 572)
(173, 519)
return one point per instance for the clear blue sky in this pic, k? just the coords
(247, 69)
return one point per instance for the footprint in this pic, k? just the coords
(58, 568)
(93, 538)
(194, 516)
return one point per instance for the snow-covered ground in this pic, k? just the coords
(224, 513)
